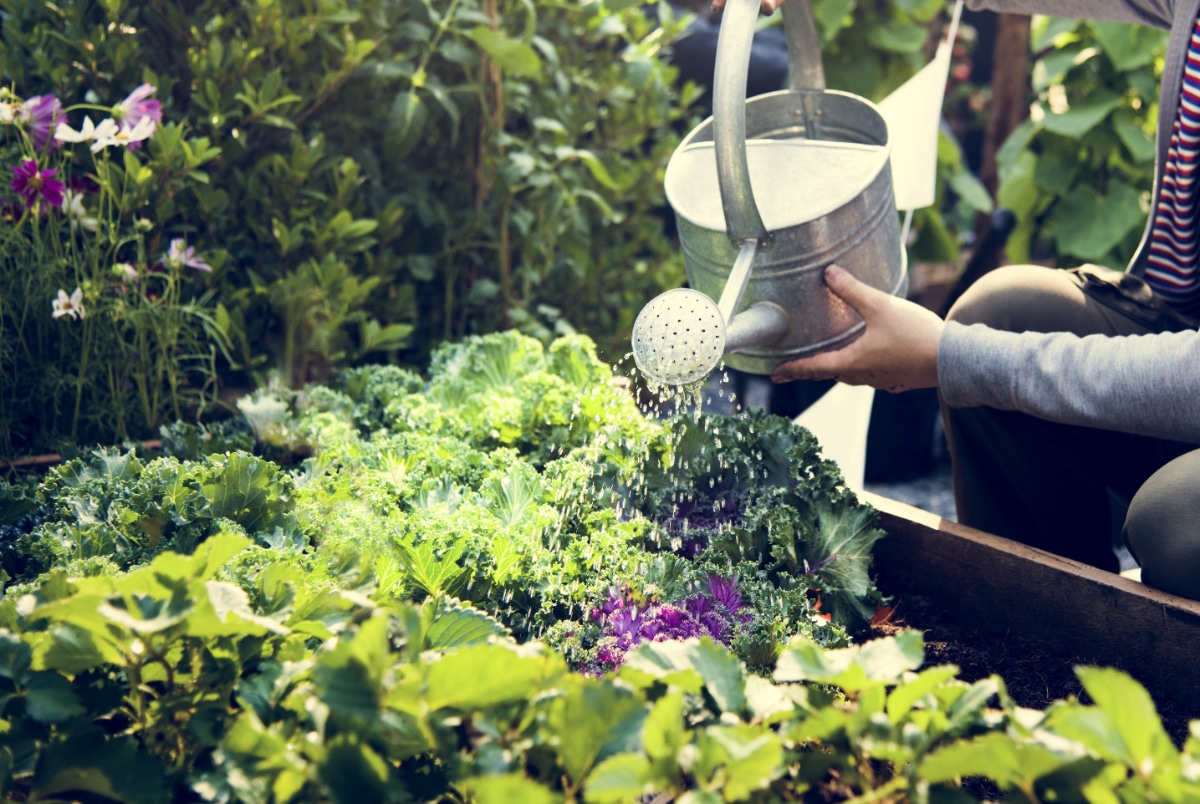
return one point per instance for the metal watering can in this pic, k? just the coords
(818, 162)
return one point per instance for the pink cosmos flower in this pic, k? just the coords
(42, 112)
(32, 183)
(136, 106)
(178, 255)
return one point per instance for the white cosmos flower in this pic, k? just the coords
(109, 132)
(86, 132)
(73, 205)
(69, 305)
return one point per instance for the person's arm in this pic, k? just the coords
(1144, 384)
(1147, 384)
(1159, 13)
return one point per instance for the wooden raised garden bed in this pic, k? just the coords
(996, 585)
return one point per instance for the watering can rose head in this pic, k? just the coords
(679, 337)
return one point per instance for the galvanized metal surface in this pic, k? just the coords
(862, 234)
(808, 231)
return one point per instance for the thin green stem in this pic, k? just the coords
(85, 354)
(443, 24)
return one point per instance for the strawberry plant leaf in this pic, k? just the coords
(906, 695)
(753, 759)
(15, 657)
(993, 756)
(114, 769)
(621, 777)
(663, 733)
(509, 787)
(352, 773)
(1124, 726)
(722, 673)
(482, 676)
(71, 649)
(454, 625)
(587, 718)
(49, 698)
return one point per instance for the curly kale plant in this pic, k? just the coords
(519, 478)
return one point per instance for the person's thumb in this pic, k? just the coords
(862, 297)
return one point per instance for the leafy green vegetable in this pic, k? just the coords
(366, 623)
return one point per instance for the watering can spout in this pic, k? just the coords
(680, 336)
(820, 165)
(761, 324)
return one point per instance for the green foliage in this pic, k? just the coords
(107, 330)
(115, 506)
(871, 49)
(520, 478)
(168, 682)
(385, 174)
(393, 172)
(212, 626)
(1077, 172)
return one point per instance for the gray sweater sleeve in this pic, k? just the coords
(1144, 384)
(1158, 13)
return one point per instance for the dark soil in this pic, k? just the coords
(1034, 672)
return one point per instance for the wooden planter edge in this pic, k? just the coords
(1006, 587)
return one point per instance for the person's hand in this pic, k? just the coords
(767, 7)
(897, 350)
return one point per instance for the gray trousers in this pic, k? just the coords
(1059, 487)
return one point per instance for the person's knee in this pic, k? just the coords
(1162, 527)
(1009, 298)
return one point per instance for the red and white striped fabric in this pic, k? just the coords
(1172, 265)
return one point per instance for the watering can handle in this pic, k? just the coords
(742, 219)
(805, 68)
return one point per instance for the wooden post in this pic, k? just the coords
(1009, 105)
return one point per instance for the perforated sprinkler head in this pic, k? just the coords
(679, 337)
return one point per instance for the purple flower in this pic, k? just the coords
(717, 626)
(608, 657)
(651, 629)
(625, 622)
(725, 591)
(616, 600)
(42, 112)
(84, 185)
(672, 617)
(136, 106)
(698, 605)
(31, 184)
(177, 255)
